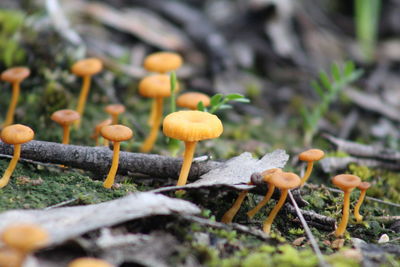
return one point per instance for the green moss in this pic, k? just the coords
(35, 187)
(363, 172)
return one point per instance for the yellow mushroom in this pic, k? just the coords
(310, 156)
(284, 181)
(85, 68)
(363, 186)
(191, 127)
(89, 262)
(347, 183)
(14, 76)
(65, 117)
(162, 62)
(97, 130)
(114, 110)
(157, 87)
(16, 135)
(115, 133)
(190, 100)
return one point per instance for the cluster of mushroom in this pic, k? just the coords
(20, 240)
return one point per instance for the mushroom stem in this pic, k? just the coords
(106, 142)
(271, 189)
(150, 121)
(83, 96)
(114, 166)
(190, 147)
(114, 118)
(65, 134)
(357, 214)
(307, 174)
(228, 216)
(151, 139)
(345, 218)
(7, 174)
(268, 222)
(11, 109)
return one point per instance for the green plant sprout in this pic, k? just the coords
(327, 89)
(173, 144)
(367, 13)
(220, 101)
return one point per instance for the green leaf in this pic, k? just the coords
(225, 106)
(234, 96)
(324, 78)
(335, 72)
(242, 100)
(317, 88)
(200, 106)
(349, 68)
(215, 99)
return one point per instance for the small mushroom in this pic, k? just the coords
(230, 214)
(190, 100)
(115, 133)
(85, 68)
(310, 156)
(271, 188)
(114, 110)
(10, 257)
(97, 130)
(191, 127)
(347, 183)
(25, 238)
(284, 181)
(363, 186)
(157, 87)
(16, 135)
(65, 117)
(14, 76)
(162, 62)
(89, 262)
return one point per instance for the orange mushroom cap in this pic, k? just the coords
(88, 66)
(311, 155)
(115, 109)
(346, 182)
(156, 86)
(268, 173)
(17, 134)
(192, 125)
(16, 74)
(364, 186)
(162, 62)
(25, 237)
(191, 99)
(89, 262)
(285, 180)
(101, 125)
(65, 116)
(116, 133)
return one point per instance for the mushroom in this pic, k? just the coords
(16, 135)
(190, 100)
(114, 110)
(14, 76)
(25, 238)
(162, 62)
(347, 183)
(10, 257)
(191, 127)
(310, 156)
(230, 214)
(85, 68)
(97, 130)
(284, 181)
(65, 117)
(271, 188)
(116, 133)
(363, 186)
(156, 87)
(89, 262)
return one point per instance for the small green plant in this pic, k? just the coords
(366, 21)
(220, 101)
(10, 25)
(327, 88)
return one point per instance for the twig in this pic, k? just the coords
(368, 198)
(244, 229)
(317, 220)
(386, 219)
(331, 164)
(314, 244)
(364, 150)
(98, 159)
(66, 202)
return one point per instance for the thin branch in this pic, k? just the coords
(317, 220)
(314, 244)
(98, 159)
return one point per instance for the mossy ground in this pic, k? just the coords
(52, 87)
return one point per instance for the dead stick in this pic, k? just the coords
(98, 159)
